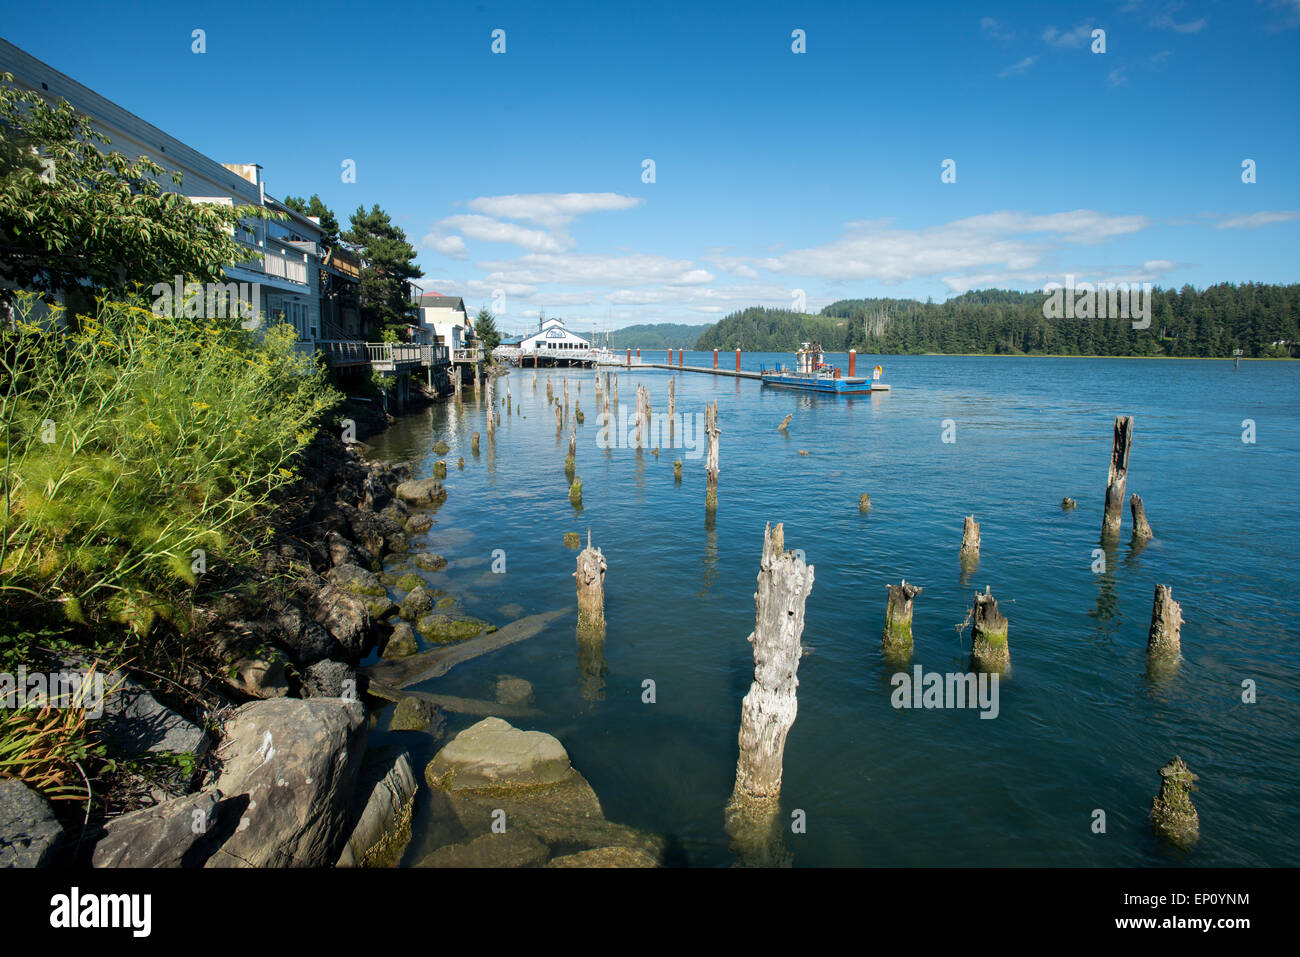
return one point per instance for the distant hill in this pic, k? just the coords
(661, 335)
(1260, 319)
(773, 330)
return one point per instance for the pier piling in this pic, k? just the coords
(1118, 475)
(898, 617)
(590, 576)
(1164, 639)
(989, 648)
(1173, 815)
(970, 538)
(785, 423)
(711, 434)
(1141, 528)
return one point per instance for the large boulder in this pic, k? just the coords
(416, 603)
(29, 832)
(513, 848)
(176, 833)
(135, 723)
(297, 762)
(427, 491)
(492, 774)
(386, 798)
(344, 616)
(356, 580)
(329, 679)
(289, 626)
(401, 643)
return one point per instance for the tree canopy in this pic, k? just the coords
(329, 223)
(72, 216)
(389, 265)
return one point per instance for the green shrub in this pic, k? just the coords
(132, 443)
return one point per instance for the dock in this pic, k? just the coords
(733, 373)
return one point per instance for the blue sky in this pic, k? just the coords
(519, 176)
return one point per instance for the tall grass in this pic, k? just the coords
(136, 449)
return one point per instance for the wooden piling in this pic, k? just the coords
(898, 617)
(711, 432)
(989, 648)
(575, 493)
(769, 710)
(970, 538)
(1141, 528)
(1117, 476)
(1173, 815)
(570, 461)
(785, 423)
(590, 576)
(1164, 638)
(456, 380)
(864, 502)
(559, 418)
(510, 402)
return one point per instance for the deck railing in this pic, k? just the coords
(383, 356)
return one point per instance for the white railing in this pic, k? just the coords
(385, 356)
(467, 355)
(285, 267)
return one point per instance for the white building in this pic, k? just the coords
(284, 257)
(445, 318)
(555, 343)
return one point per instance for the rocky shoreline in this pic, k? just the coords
(277, 772)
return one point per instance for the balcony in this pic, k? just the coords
(290, 267)
(380, 356)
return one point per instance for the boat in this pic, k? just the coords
(812, 374)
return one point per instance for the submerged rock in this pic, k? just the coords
(418, 524)
(409, 582)
(514, 691)
(423, 492)
(441, 448)
(416, 714)
(446, 628)
(606, 857)
(514, 848)
(572, 540)
(429, 562)
(492, 772)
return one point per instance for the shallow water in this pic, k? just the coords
(1080, 726)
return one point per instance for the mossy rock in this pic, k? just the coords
(419, 524)
(417, 602)
(445, 629)
(380, 608)
(429, 562)
(1068, 504)
(401, 644)
(446, 602)
(409, 582)
(572, 540)
(441, 448)
(397, 543)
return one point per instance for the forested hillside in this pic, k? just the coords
(1261, 320)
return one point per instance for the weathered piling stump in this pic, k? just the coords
(460, 463)
(478, 379)
(677, 470)
(615, 391)
(577, 413)
(897, 636)
(572, 540)
(473, 444)
(491, 422)
(769, 709)
(590, 576)
(550, 392)
(1117, 476)
(1141, 528)
(864, 502)
(672, 398)
(570, 462)
(534, 381)
(1068, 504)
(456, 381)
(440, 469)
(989, 647)
(559, 418)
(711, 433)
(970, 537)
(575, 493)
(1173, 815)
(1164, 639)
(510, 402)
(785, 423)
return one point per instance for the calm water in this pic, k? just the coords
(1080, 727)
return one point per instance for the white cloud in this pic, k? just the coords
(1006, 239)
(995, 30)
(1255, 220)
(551, 210)
(1016, 69)
(636, 269)
(491, 230)
(1068, 38)
(453, 246)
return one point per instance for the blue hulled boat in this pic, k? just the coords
(811, 374)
